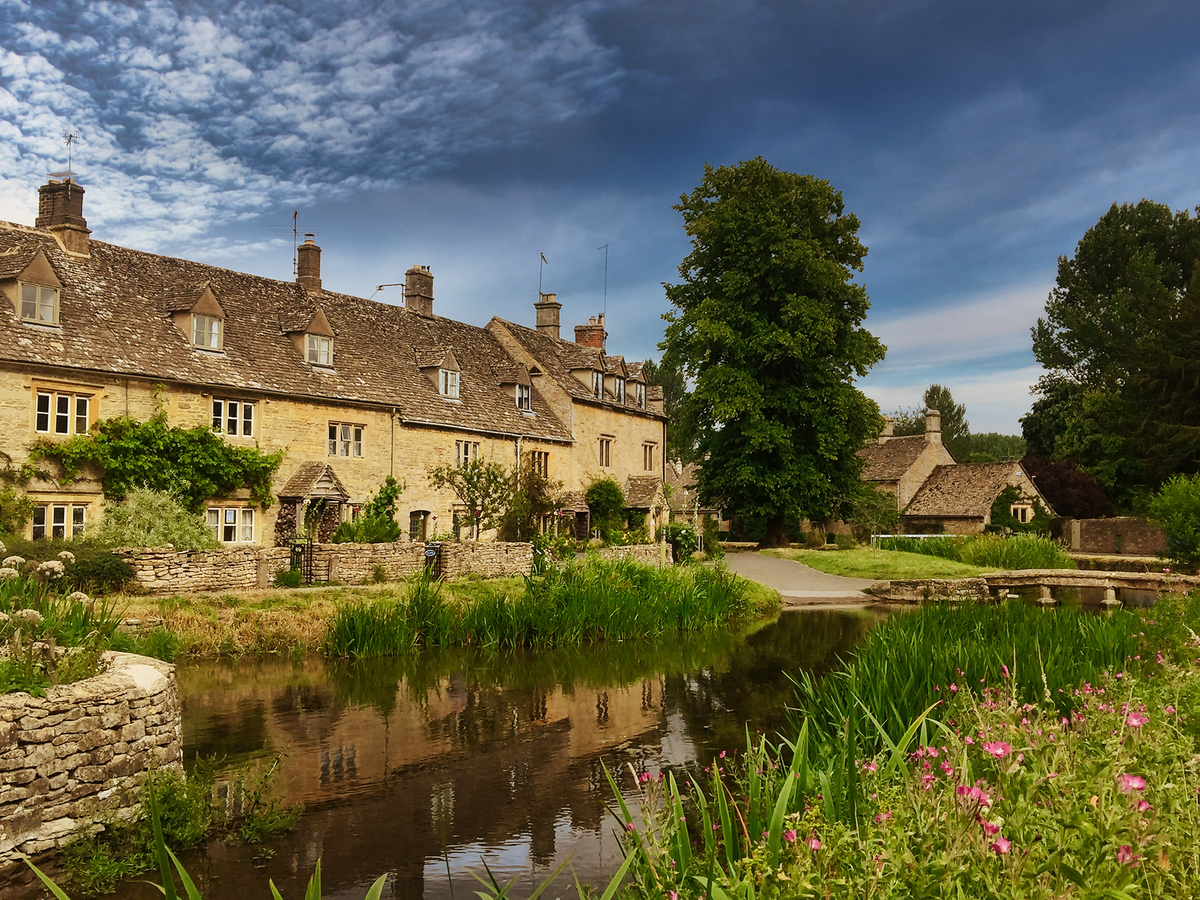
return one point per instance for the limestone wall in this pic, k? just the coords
(490, 559)
(643, 553)
(1124, 534)
(80, 753)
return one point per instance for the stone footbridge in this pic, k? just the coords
(989, 585)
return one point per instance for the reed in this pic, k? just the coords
(992, 551)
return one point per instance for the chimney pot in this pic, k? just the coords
(418, 291)
(60, 211)
(308, 266)
(548, 309)
(592, 334)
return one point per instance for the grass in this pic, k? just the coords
(993, 551)
(889, 565)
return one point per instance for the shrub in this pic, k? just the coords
(93, 570)
(1176, 507)
(682, 537)
(148, 518)
(813, 540)
(376, 522)
(712, 538)
(289, 578)
(873, 512)
(606, 501)
(844, 541)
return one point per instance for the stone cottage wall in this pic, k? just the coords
(80, 753)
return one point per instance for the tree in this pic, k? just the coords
(680, 443)
(606, 502)
(874, 512)
(1177, 508)
(534, 495)
(1072, 493)
(767, 327)
(956, 430)
(484, 488)
(1120, 342)
(376, 522)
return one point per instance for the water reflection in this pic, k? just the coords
(410, 766)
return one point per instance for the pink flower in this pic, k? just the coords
(998, 749)
(1125, 855)
(1143, 806)
(1001, 845)
(953, 688)
(1136, 720)
(870, 767)
(629, 826)
(1132, 783)
(1169, 710)
(790, 836)
(882, 817)
(643, 778)
(672, 895)
(721, 755)
(1004, 672)
(989, 828)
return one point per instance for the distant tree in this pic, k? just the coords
(606, 503)
(767, 326)
(873, 512)
(1176, 507)
(681, 443)
(1047, 419)
(992, 446)
(534, 495)
(1073, 493)
(956, 430)
(484, 488)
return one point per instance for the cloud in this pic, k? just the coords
(995, 401)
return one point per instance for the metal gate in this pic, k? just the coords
(302, 559)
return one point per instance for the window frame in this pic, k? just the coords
(68, 409)
(450, 383)
(233, 521)
(243, 419)
(60, 521)
(606, 452)
(207, 333)
(39, 303)
(465, 452)
(345, 436)
(619, 389)
(540, 462)
(525, 398)
(597, 384)
(317, 346)
(648, 448)
(640, 393)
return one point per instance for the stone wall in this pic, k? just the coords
(643, 553)
(490, 559)
(1126, 535)
(79, 754)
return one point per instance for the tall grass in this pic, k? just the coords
(578, 604)
(1018, 551)
(924, 657)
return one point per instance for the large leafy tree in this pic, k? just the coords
(1121, 345)
(681, 444)
(767, 326)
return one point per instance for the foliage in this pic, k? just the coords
(152, 518)
(989, 551)
(484, 488)
(289, 578)
(991, 446)
(15, 507)
(680, 443)
(869, 562)
(1047, 418)
(956, 430)
(1002, 519)
(873, 512)
(1120, 342)
(767, 325)
(376, 521)
(572, 604)
(1071, 492)
(682, 537)
(94, 569)
(606, 501)
(534, 496)
(712, 537)
(193, 464)
(1176, 507)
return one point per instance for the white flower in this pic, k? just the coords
(14, 561)
(3, 617)
(3, 549)
(79, 596)
(67, 556)
(32, 616)
(9, 572)
(52, 568)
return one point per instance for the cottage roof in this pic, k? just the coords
(682, 480)
(640, 491)
(112, 320)
(963, 490)
(15, 260)
(888, 461)
(314, 480)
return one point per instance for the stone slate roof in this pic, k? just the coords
(891, 459)
(963, 490)
(640, 491)
(114, 321)
(557, 358)
(311, 475)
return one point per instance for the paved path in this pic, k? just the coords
(796, 582)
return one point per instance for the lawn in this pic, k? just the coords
(883, 565)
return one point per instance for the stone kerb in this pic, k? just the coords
(643, 553)
(78, 756)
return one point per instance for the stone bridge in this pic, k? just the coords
(989, 584)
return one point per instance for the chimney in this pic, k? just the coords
(547, 314)
(592, 334)
(933, 426)
(60, 211)
(418, 291)
(888, 429)
(308, 265)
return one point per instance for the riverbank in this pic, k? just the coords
(878, 565)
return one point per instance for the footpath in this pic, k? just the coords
(797, 583)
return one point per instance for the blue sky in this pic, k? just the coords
(976, 142)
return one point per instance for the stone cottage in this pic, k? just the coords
(958, 499)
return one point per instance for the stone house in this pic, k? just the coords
(899, 465)
(958, 498)
(352, 390)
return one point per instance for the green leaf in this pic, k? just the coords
(45, 879)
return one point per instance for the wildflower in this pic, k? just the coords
(629, 826)
(14, 561)
(1132, 783)
(51, 568)
(78, 596)
(998, 749)
(927, 780)
(1001, 845)
(3, 617)
(882, 817)
(8, 572)
(1004, 671)
(989, 828)
(32, 616)
(672, 895)
(870, 767)
(1136, 720)
(3, 549)
(814, 843)
(1169, 710)
(1125, 855)
(953, 688)
(947, 769)
(1143, 806)
(643, 778)
(790, 835)
(721, 755)
(66, 556)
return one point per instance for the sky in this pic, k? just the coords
(976, 142)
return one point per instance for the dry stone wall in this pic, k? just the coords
(490, 559)
(643, 553)
(79, 754)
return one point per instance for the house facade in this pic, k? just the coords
(351, 391)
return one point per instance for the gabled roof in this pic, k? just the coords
(16, 260)
(962, 490)
(640, 491)
(112, 321)
(314, 480)
(181, 297)
(888, 461)
(435, 358)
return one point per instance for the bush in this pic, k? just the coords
(712, 538)
(376, 522)
(845, 541)
(682, 537)
(1176, 507)
(94, 569)
(149, 518)
(289, 578)
(606, 501)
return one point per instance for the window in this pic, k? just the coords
(465, 452)
(61, 413)
(1022, 512)
(641, 396)
(345, 440)
(619, 389)
(59, 520)
(233, 417)
(448, 382)
(648, 457)
(540, 461)
(320, 350)
(524, 397)
(39, 303)
(207, 332)
(598, 385)
(605, 452)
(231, 524)
(418, 521)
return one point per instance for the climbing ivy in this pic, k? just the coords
(194, 464)
(1003, 518)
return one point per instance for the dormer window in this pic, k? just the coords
(598, 385)
(208, 332)
(320, 350)
(619, 389)
(39, 303)
(524, 397)
(641, 396)
(448, 383)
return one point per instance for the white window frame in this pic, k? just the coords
(63, 521)
(524, 397)
(648, 449)
(540, 460)
(36, 301)
(208, 332)
(641, 395)
(450, 383)
(233, 417)
(598, 385)
(61, 413)
(231, 524)
(606, 452)
(619, 389)
(345, 439)
(319, 349)
(465, 452)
